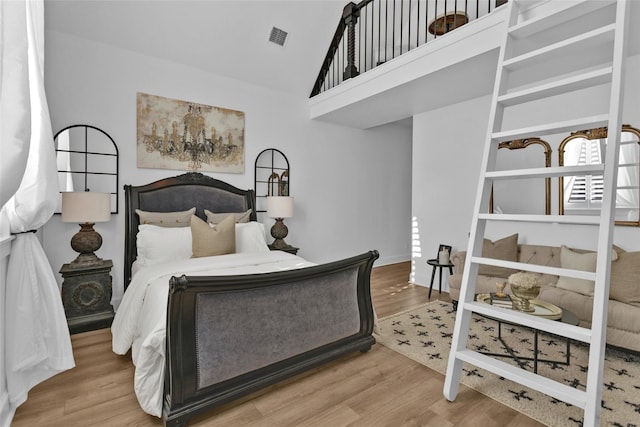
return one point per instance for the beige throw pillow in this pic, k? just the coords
(166, 219)
(215, 218)
(217, 240)
(625, 278)
(577, 261)
(504, 249)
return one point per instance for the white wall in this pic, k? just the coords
(352, 187)
(447, 152)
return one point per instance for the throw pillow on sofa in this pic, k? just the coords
(625, 278)
(505, 249)
(577, 261)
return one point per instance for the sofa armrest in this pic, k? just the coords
(457, 259)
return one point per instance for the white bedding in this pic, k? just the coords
(140, 322)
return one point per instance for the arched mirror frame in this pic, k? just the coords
(271, 175)
(86, 153)
(590, 134)
(519, 144)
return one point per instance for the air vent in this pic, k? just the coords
(278, 36)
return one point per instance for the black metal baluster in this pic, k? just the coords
(409, 29)
(418, 26)
(386, 28)
(444, 22)
(359, 45)
(466, 8)
(401, 19)
(393, 32)
(426, 21)
(372, 35)
(379, 15)
(455, 14)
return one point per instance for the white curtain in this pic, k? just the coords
(36, 337)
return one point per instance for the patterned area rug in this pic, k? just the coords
(424, 335)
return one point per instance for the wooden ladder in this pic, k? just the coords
(527, 44)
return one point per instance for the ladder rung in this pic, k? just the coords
(542, 23)
(577, 333)
(569, 84)
(544, 269)
(544, 385)
(596, 169)
(558, 127)
(563, 219)
(557, 51)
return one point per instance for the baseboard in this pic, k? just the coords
(392, 260)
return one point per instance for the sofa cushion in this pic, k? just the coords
(504, 249)
(541, 255)
(625, 278)
(577, 261)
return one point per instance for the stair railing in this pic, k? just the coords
(373, 32)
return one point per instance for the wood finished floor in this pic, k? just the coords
(379, 388)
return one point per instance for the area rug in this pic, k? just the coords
(424, 335)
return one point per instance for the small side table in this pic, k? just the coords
(290, 249)
(436, 264)
(86, 296)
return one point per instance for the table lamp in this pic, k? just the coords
(279, 207)
(86, 208)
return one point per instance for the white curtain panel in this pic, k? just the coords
(36, 336)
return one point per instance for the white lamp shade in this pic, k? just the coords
(86, 206)
(279, 207)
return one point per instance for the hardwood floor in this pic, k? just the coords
(379, 388)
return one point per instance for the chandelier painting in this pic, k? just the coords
(174, 134)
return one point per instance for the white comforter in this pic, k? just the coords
(140, 322)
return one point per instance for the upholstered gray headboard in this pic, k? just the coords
(179, 193)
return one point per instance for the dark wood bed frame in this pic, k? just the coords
(185, 395)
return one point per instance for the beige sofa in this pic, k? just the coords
(623, 326)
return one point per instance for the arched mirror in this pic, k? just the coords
(583, 194)
(271, 176)
(526, 195)
(87, 160)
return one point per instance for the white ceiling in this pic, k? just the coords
(228, 38)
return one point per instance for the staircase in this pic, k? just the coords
(537, 61)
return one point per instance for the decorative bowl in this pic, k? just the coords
(525, 286)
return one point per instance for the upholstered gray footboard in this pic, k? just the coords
(230, 336)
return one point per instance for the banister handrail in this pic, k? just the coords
(444, 16)
(328, 59)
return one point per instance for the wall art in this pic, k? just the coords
(182, 135)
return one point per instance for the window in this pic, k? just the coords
(586, 191)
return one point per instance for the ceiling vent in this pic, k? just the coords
(278, 36)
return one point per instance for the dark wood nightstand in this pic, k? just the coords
(86, 296)
(291, 249)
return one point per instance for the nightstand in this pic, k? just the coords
(291, 249)
(86, 296)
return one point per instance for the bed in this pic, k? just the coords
(205, 331)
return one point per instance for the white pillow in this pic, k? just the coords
(161, 244)
(250, 237)
(577, 261)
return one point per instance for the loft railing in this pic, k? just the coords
(373, 32)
